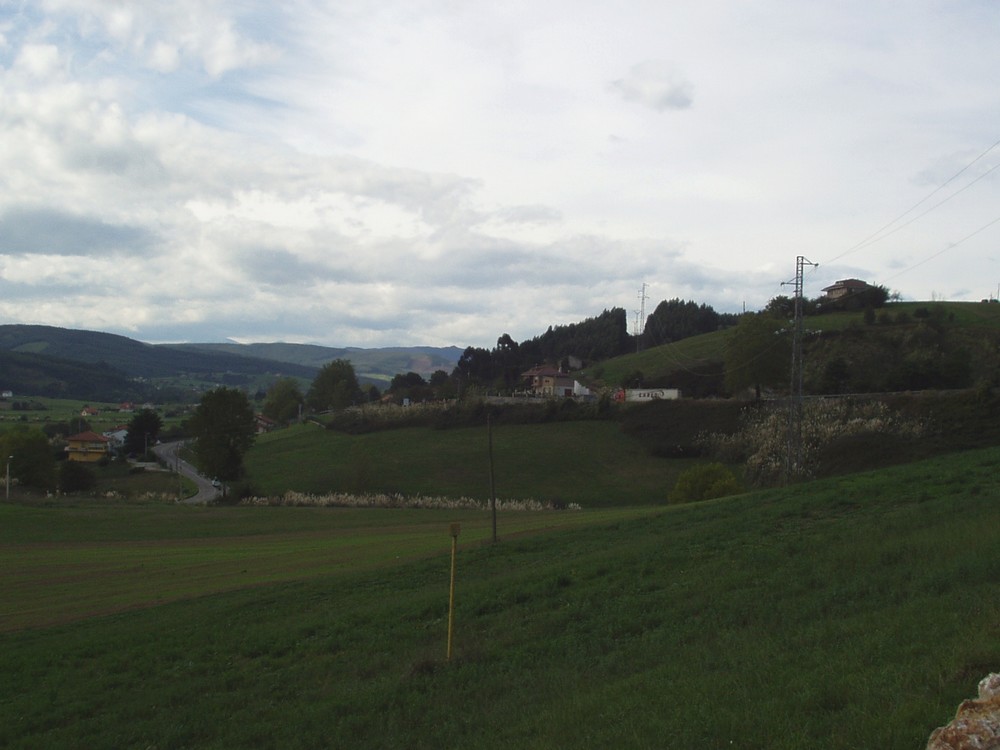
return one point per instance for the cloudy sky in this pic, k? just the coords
(361, 173)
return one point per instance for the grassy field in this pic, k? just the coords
(590, 463)
(848, 613)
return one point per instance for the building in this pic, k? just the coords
(844, 287)
(87, 447)
(548, 381)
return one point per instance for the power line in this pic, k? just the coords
(881, 233)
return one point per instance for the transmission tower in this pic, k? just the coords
(640, 318)
(793, 461)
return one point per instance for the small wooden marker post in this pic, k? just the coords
(453, 530)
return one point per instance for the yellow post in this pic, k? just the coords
(455, 528)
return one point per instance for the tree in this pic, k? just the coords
(223, 426)
(143, 430)
(758, 354)
(335, 387)
(283, 401)
(32, 463)
(410, 386)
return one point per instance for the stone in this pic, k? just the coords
(977, 723)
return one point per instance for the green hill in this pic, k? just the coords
(847, 613)
(695, 364)
(34, 361)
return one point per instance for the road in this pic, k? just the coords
(169, 453)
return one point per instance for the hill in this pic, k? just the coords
(34, 361)
(379, 364)
(846, 613)
(905, 345)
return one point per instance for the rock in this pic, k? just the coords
(977, 723)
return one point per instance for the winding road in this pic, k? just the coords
(169, 453)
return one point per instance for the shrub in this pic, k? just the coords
(75, 477)
(704, 482)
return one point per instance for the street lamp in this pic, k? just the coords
(9, 459)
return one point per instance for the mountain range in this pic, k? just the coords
(37, 360)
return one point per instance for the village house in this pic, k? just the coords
(546, 380)
(844, 287)
(264, 424)
(87, 447)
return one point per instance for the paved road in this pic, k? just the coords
(169, 453)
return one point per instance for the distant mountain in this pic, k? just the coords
(376, 364)
(46, 360)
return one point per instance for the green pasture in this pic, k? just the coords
(853, 612)
(592, 463)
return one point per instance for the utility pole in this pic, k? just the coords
(793, 461)
(640, 318)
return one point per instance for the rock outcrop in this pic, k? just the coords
(977, 723)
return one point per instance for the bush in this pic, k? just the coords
(704, 482)
(76, 477)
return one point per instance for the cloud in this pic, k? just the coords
(45, 231)
(655, 84)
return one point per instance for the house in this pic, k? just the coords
(89, 411)
(546, 380)
(6, 395)
(844, 287)
(117, 437)
(126, 407)
(87, 447)
(264, 424)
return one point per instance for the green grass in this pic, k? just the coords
(847, 613)
(692, 354)
(592, 463)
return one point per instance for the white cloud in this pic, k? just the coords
(657, 85)
(400, 173)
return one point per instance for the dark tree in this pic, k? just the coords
(758, 354)
(410, 386)
(223, 426)
(676, 319)
(143, 431)
(335, 387)
(32, 463)
(283, 401)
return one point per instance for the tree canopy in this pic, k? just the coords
(335, 387)
(32, 463)
(758, 353)
(143, 431)
(283, 400)
(223, 426)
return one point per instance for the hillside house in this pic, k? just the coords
(87, 447)
(845, 287)
(90, 411)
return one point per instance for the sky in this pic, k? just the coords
(441, 172)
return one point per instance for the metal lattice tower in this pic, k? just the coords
(793, 462)
(640, 318)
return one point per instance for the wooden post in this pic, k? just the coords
(493, 489)
(454, 529)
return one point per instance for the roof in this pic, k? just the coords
(847, 284)
(88, 437)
